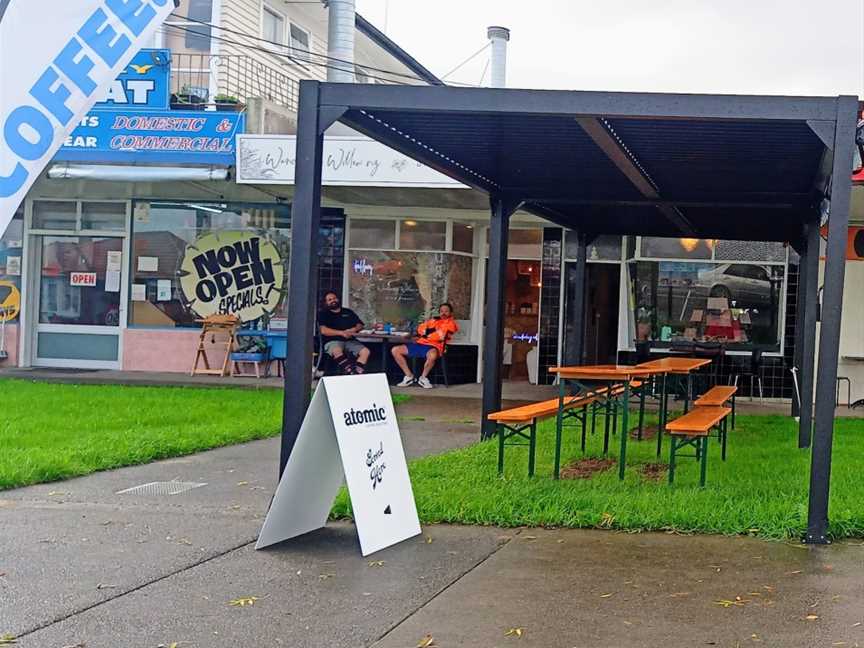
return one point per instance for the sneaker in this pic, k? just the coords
(407, 381)
(423, 381)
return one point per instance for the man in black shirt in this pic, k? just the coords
(337, 327)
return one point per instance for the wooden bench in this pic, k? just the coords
(694, 429)
(718, 397)
(522, 422)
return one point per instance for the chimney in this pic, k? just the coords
(340, 40)
(498, 37)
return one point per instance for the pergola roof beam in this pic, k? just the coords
(627, 163)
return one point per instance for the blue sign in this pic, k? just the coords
(150, 136)
(143, 84)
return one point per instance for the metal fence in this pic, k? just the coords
(199, 80)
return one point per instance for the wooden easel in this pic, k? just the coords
(215, 324)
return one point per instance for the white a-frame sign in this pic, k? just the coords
(350, 428)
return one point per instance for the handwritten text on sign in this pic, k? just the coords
(348, 161)
(232, 273)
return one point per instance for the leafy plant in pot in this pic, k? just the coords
(187, 99)
(227, 103)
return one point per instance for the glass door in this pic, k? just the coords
(81, 296)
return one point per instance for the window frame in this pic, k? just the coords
(294, 50)
(268, 9)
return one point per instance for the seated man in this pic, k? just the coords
(432, 335)
(337, 327)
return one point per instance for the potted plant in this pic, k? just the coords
(188, 99)
(227, 103)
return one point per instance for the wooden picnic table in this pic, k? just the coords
(625, 375)
(675, 366)
(610, 374)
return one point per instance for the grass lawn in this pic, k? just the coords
(53, 431)
(760, 490)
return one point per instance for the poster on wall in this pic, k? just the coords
(13, 266)
(10, 301)
(232, 273)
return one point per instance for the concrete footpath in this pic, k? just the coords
(84, 566)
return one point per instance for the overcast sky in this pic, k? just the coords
(809, 47)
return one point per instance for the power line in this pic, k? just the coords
(413, 77)
(280, 55)
(468, 60)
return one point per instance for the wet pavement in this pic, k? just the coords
(81, 565)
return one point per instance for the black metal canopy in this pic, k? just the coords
(614, 163)
(706, 166)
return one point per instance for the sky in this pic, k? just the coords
(794, 47)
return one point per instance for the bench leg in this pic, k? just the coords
(661, 417)
(500, 449)
(532, 444)
(641, 411)
(584, 419)
(733, 411)
(614, 419)
(606, 430)
(724, 431)
(625, 401)
(559, 422)
(672, 444)
(593, 417)
(704, 467)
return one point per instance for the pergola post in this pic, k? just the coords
(832, 304)
(578, 310)
(305, 225)
(496, 275)
(810, 294)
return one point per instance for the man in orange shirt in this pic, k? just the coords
(432, 337)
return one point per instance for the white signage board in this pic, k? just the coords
(349, 429)
(348, 161)
(55, 60)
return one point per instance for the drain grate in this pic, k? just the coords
(161, 488)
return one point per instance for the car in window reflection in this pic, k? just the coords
(743, 285)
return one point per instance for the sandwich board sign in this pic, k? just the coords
(349, 430)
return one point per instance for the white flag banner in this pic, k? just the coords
(56, 58)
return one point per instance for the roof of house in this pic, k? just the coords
(394, 50)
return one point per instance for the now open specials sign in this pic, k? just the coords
(350, 430)
(232, 273)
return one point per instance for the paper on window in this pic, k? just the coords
(163, 290)
(115, 261)
(139, 292)
(148, 264)
(112, 281)
(13, 266)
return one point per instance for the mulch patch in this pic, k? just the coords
(654, 471)
(586, 468)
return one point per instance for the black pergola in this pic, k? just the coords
(701, 166)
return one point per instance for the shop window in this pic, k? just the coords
(11, 251)
(165, 234)
(676, 248)
(602, 248)
(739, 304)
(103, 216)
(405, 288)
(522, 243)
(55, 215)
(422, 235)
(373, 234)
(463, 238)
